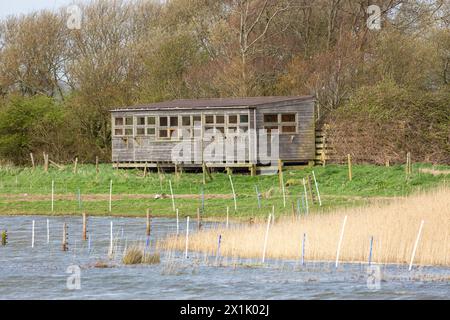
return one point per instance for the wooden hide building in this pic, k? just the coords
(146, 135)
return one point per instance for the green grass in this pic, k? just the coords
(369, 181)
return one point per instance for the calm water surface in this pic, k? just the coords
(40, 272)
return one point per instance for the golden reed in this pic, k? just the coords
(393, 226)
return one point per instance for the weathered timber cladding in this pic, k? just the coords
(299, 146)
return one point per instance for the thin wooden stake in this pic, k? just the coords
(187, 238)
(266, 238)
(48, 231)
(199, 220)
(53, 195)
(148, 227)
(340, 241)
(306, 196)
(110, 195)
(349, 161)
(97, 169)
(84, 235)
(171, 193)
(178, 224)
(234, 194)
(228, 214)
(370, 250)
(303, 249)
(65, 246)
(111, 240)
(75, 166)
(415, 245)
(258, 197)
(32, 234)
(317, 188)
(32, 161)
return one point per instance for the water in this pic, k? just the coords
(40, 272)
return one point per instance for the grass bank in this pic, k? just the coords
(27, 191)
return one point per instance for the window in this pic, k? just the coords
(290, 117)
(118, 132)
(118, 121)
(151, 131)
(288, 129)
(151, 121)
(232, 119)
(243, 118)
(220, 119)
(140, 131)
(209, 119)
(129, 121)
(197, 120)
(129, 131)
(283, 122)
(174, 121)
(271, 118)
(186, 121)
(141, 121)
(163, 121)
(163, 133)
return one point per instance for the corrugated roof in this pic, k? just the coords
(215, 103)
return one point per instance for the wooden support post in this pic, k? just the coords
(313, 198)
(280, 172)
(145, 170)
(96, 165)
(148, 228)
(84, 237)
(65, 246)
(75, 166)
(349, 160)
(253, 170)
(45, 162)
(32, 161)
(229, 171)
(388, 163)
(199, 220)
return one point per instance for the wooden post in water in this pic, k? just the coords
(48, 231)
(148, 228)
(187, 238)
(303, 249)
(32, 234)
(199, 220)
(84, 236)
(349, 161)
(32, 161)
(65, 246)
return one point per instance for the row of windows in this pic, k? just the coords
(166, 127)
(281, 122)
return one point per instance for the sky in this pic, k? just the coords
(9, 7)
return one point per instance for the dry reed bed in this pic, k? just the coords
(394, 227)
